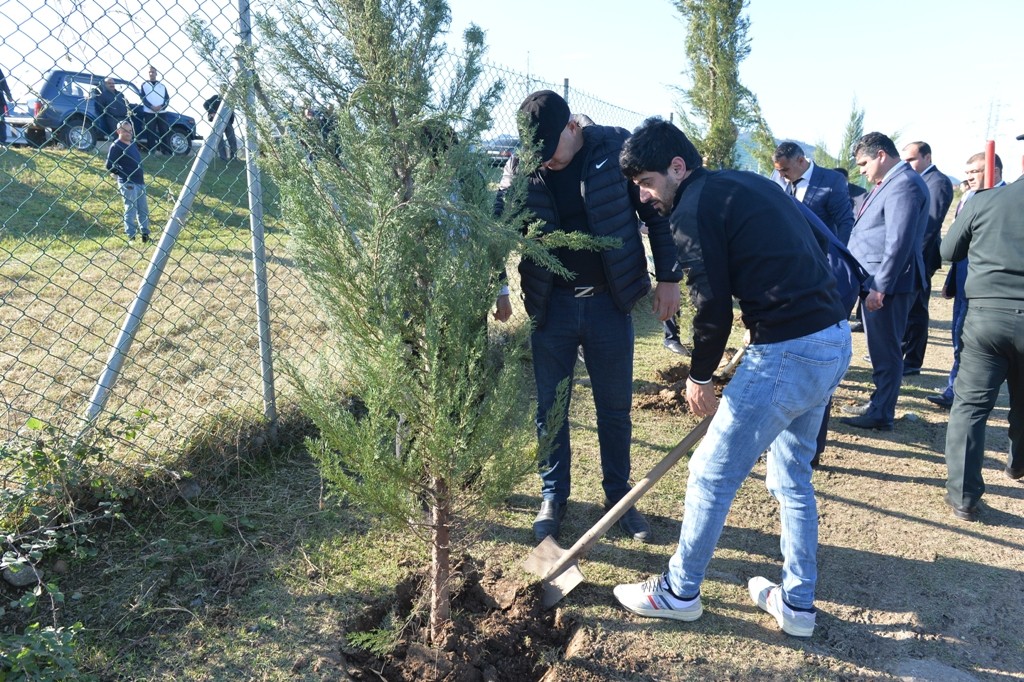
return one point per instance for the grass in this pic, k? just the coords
(70, 277)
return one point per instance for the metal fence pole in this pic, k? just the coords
(259, 254)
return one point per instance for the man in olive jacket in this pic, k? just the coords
(989, 230)
(578, 187)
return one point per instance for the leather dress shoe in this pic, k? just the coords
(676, 347)
(549, 519)
(866, 422)
(857, 410)
(963, 513)
(633, 523)
(911, 371)
(942, 400)
(856, 327)
(1014, 473)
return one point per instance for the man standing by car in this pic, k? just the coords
(113, 107)
(124, 162)
(577, 187)
(154, 101)
(5, 95)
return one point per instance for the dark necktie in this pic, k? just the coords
(792, 187)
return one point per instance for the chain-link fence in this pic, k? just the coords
(99, 325)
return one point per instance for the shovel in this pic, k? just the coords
(557, 567)
(727, 371)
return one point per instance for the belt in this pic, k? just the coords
(587, 292)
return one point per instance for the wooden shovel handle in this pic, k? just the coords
(584, 544)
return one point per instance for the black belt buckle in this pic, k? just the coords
(584, 292)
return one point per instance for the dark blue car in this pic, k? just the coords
(68, 111)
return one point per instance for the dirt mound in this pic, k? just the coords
(500, 631)
(667, 392)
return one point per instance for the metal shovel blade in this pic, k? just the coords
(542, 559)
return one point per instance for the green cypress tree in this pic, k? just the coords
(423, 411)
(716, 105)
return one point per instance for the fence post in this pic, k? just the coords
(259, 253)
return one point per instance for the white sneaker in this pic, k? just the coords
(654, 599)
(768, 597)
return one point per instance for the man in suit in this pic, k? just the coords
(819, 189)
(988, 229)
(918, 156)
(886, 239)
(956, 279)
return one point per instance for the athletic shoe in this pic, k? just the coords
(654, 599)
(768, 597)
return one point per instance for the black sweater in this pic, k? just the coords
(749, 241)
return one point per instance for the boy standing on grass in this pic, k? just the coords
(125, 163)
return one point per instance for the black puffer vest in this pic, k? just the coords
(610, 213)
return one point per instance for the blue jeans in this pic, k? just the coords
(136, 210)
(777, 398)
(606, 335)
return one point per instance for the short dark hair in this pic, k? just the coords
(923, 148)
(842, 171)
(653, 146)
(787, 150)
(980, 156)
(872, 143)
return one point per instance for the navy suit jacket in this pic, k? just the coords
(888, 234)
(828, 197)
(940, 190)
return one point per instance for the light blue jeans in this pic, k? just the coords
(136, 210)
(777, 398)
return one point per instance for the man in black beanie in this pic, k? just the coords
(578, 187)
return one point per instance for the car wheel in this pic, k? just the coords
(179, 141)
(79, 135)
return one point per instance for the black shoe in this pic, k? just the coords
(866, 422)
(857, 410)
(676, 347)
(856, 327)
(942, 400)
(1014, 473)
(549, 519)
(911, 371)
(963, 513)
(816, 462)
(145, 237)
(633, 523)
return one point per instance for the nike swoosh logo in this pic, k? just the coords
(598, 166)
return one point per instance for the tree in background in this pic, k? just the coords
(854, 131)
(762, 143)
(423, 412)
(716, 106)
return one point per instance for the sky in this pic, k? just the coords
(916, 67)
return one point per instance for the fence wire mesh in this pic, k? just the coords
(71, 274)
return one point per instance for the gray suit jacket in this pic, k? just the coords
(888, 234)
